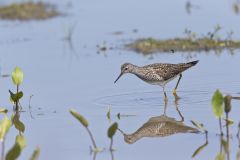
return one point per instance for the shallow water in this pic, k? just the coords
(61, 77)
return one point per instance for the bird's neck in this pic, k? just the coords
(139, 72)
(138, 134)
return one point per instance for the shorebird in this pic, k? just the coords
(158, 73)
(160, 126)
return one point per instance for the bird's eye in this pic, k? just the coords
(126, 68)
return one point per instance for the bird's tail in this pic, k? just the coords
(194, 130)
(185, 66)
(193, 63)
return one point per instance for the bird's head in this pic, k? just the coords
(125, 68)
(128, 138)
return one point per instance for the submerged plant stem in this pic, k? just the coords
(112, 156)
(227, 130)
(238, 133)
(111, 145)
(220, 127)
(17, 106)
(94, 155)
(91, 137)
(227, 127)
(2, 149)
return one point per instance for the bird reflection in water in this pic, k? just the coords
(159, 126)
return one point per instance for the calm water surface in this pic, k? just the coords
(62, 77)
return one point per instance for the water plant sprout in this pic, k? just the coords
(17, 78)
(84, 122)
(111, 132)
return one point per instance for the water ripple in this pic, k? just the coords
(152, 99)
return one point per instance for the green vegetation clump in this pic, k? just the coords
(150, 45)
(28, 11)
(191, 43)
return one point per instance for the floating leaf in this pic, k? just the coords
(17, 76)
(217, 104)
(220, 156)
(4, 127)
(3, 110)
(16, 150)
(79, 117)
(17, 123)
(112, 130)
(35, 154)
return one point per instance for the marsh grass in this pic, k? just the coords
(191, 42)
(28, 11)
(151, 45)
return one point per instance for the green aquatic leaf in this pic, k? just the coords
(17, 123)
(108, 113)
(4, 127)
(217, 104)
(35, 154)
(15, 151)
(17, 76)
(112, 130)
(15, 97)
(199, 149)
(97, 150)
(225, 145)
(3, 110)
(79, 117)
(220, 156)
(19, 95)
(12, 96)
(229, 121)
(20, 139)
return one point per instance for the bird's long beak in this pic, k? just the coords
(118, 77)
(121, 131)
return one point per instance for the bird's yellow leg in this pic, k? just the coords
(175, 94)
(165, 95)
(165, 107)
(175, 89)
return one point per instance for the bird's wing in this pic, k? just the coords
(168, 71)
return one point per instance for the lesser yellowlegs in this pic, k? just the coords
(158, 73)
(160, 126)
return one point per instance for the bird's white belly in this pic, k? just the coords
(162, 83)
